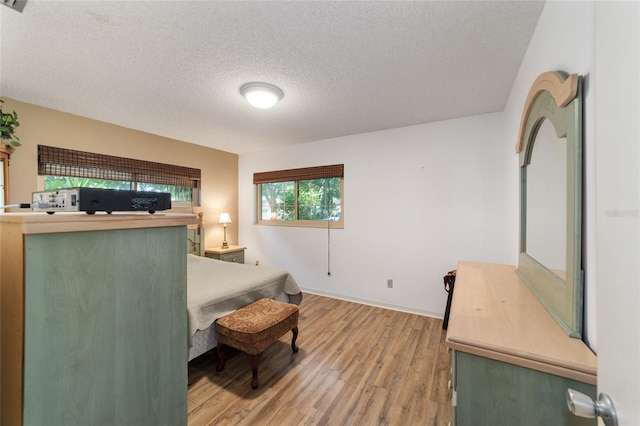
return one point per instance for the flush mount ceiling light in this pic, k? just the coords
(261, 95)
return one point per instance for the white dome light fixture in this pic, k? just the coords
(261, 95)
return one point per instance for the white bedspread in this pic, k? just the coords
(216, 288)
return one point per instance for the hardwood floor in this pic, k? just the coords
(357, 365)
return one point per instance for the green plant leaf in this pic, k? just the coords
(8, 123)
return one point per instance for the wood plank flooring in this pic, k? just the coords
(357, 365)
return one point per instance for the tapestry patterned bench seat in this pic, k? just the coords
(254, 328)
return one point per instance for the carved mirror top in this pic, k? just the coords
(562, 88)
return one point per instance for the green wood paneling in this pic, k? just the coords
(491, 393)
(106, 328)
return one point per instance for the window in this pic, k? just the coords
(66, 168)
(301, 197)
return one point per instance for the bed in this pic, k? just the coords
(216, 288)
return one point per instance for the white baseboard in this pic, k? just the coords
(372, 303)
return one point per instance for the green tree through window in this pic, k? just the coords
(303, 203)
(319, 199)
(178, 193)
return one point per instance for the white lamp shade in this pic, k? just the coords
(261, 95)
(224, 218)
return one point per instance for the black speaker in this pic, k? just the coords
(93, 200)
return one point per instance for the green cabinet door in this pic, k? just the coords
(106, 328)
(493, 393)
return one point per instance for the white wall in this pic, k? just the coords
(441, 183)
(617, 67)
(453, 186)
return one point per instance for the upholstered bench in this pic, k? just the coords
(255, 327)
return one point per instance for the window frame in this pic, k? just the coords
(295, 176)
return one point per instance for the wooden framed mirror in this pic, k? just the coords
(550, 148)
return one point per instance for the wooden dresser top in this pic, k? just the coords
(43, 223)
(495, 315)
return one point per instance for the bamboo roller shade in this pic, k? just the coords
(67, 162)
(306, 173)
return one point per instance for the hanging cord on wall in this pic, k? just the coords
(329, 247)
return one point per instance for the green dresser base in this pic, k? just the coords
(94, 319)
(494, 393)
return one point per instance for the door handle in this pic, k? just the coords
(582, 405)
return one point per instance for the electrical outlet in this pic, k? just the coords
(389, 283)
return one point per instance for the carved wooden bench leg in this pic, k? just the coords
(293, 340)
(221, 356)
(254, 361)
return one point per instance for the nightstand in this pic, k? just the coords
(231, 254)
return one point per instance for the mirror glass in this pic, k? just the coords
(546, 202)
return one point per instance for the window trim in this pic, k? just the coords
(296, 175)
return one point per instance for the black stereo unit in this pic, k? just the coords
(93, 200)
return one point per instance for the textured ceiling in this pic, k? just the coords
(174, 68)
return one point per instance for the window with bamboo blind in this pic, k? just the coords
(66, 168)
(310, 196)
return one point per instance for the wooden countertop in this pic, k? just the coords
(495, 315)
(43, 223)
